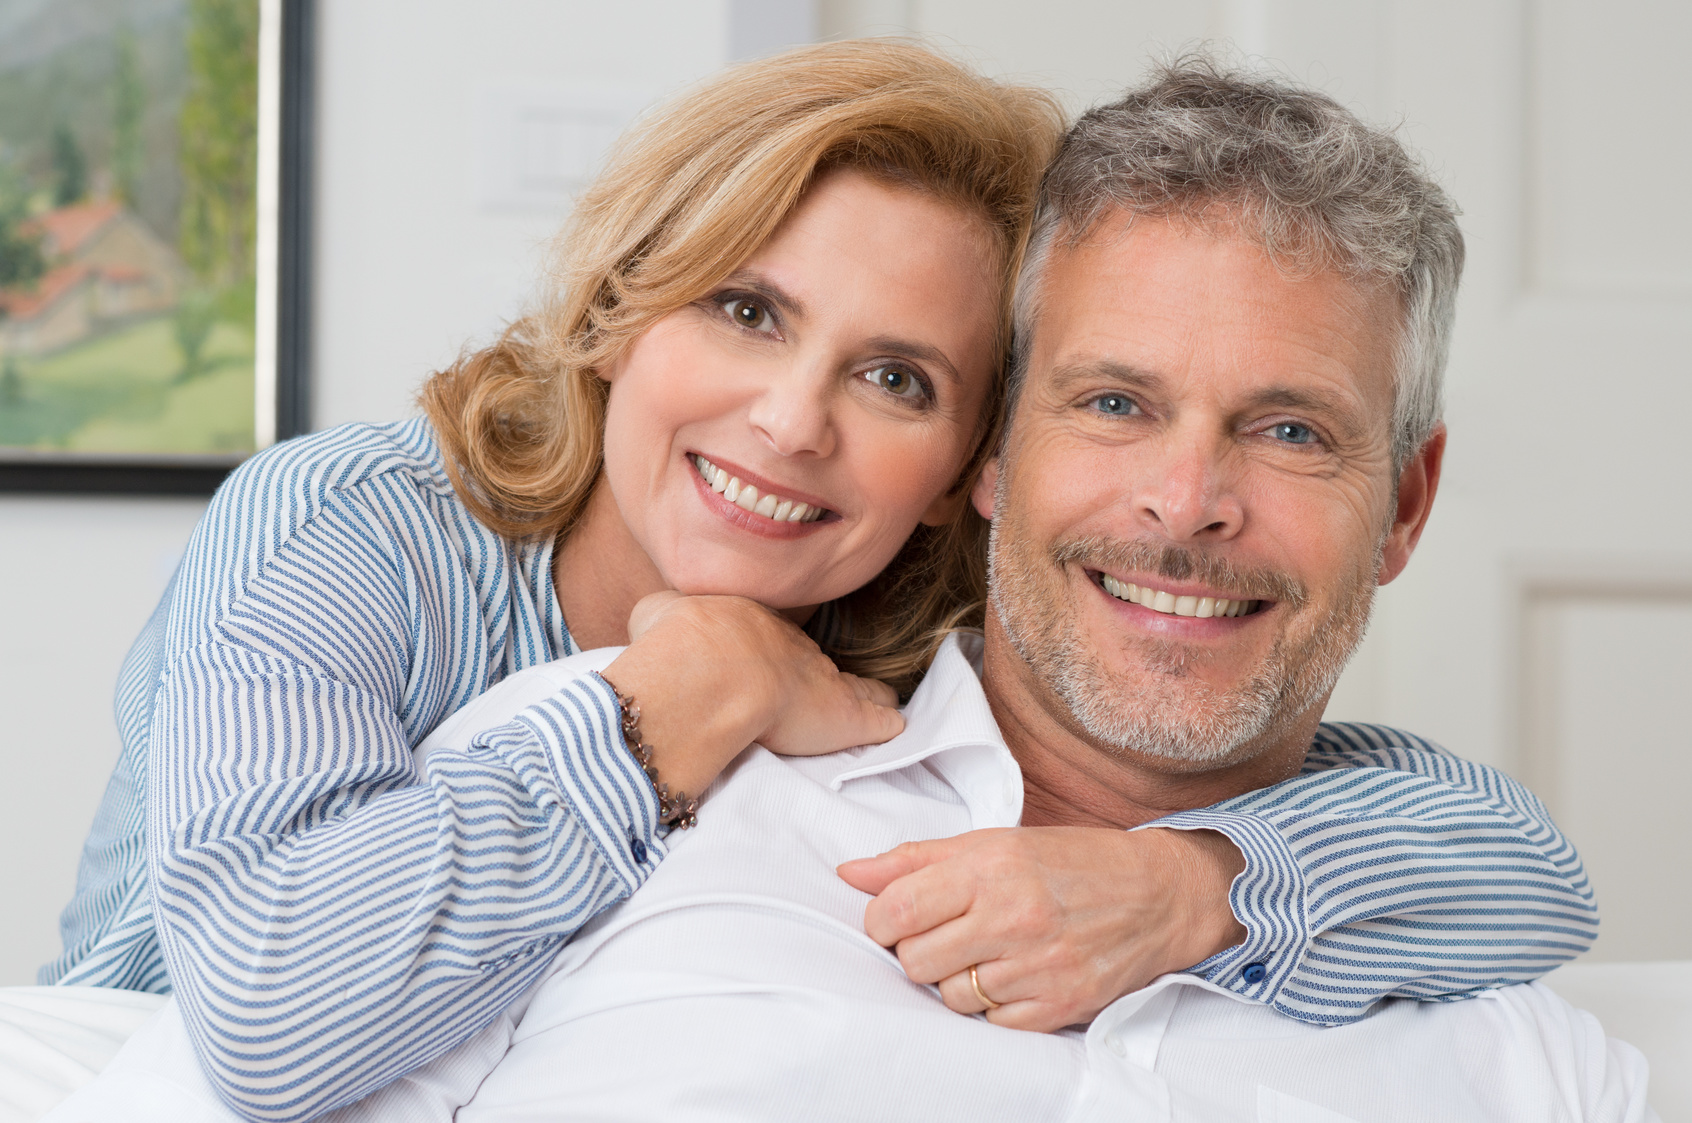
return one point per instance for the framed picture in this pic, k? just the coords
(154, 236)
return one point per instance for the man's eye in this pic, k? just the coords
(1291, 433)
(748, 313)
(1115, 405)
(897, 381)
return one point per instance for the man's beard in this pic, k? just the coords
(1173, 714)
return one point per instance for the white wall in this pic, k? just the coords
(78, 578)
(438, 188)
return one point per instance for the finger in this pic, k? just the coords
(998, 983)
(949, 947)
(958, 995)
(914, 905)
(648, 610)
(872, 875)
(1033, 1016)
(872, 690)
(867, 723)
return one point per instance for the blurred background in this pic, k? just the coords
(1543, 626)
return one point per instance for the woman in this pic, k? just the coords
(769, 369)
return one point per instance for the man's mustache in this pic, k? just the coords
(1178, 563)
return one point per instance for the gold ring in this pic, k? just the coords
(975, 985)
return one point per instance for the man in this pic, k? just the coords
(1225, 435)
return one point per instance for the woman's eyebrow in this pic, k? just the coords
(760, 285)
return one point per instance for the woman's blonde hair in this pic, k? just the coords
(689, 194)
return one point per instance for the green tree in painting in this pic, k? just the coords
(219, 137)
(129, 102)
(195, 317)
(11, 384)
(20, 264)
(70, 168)
(20, 251)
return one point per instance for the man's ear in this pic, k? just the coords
(986, 486)
(1416, 489)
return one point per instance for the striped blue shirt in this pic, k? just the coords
(331, 918)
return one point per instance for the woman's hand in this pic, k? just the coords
(714, 674)
(1061, 921)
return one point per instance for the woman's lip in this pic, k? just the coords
(764, 484)
(738, 516)
(1181, 589)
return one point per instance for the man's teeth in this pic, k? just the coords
(772, 507)
(1159, 601)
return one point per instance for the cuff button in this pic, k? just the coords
(1254, 973)
(637, 849)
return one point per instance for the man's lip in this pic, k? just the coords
(1177, 588)
(764, 484)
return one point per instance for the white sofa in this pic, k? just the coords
(55, 1039)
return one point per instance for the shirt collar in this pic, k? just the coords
(949, 725)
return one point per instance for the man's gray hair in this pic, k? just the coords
(1297, 172)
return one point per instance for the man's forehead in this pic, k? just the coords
(1159, 299)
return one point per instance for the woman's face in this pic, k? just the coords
(781, 438)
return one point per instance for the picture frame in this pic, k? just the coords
(277, 279)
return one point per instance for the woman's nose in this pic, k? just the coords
(794, 414)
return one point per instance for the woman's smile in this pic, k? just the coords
(752, 502)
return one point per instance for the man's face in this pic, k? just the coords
(1196, 500)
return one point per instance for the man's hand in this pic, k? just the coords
(1061, 921)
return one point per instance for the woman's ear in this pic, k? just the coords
(986, 486)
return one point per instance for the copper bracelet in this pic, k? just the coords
(676, 810)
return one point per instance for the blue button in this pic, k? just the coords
(638, 849)
(1255, 973)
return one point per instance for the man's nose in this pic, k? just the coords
(1188, 497)
(794, 413)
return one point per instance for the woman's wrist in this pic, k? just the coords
(693, 717)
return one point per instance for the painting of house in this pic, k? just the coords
(106, 268)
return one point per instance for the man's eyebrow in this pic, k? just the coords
(760, 285)
(1309, 399)
(1107, 370)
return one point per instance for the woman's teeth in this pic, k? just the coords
(1170, 605)
(745, 495)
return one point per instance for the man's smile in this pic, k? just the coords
(1169, 603)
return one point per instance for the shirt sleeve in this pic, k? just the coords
(1391, 868)
(331, 918)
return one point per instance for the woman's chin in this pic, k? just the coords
(773, 591)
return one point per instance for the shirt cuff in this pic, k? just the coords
(1268, 897)
(580, 727)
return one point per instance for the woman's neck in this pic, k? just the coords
(599, 571)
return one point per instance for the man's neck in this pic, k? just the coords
(1069, 779)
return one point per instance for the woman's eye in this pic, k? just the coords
(1292, 433)
(1114, 405)
(750, 314)
(897, 381)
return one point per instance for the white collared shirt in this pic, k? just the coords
(738, 984)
